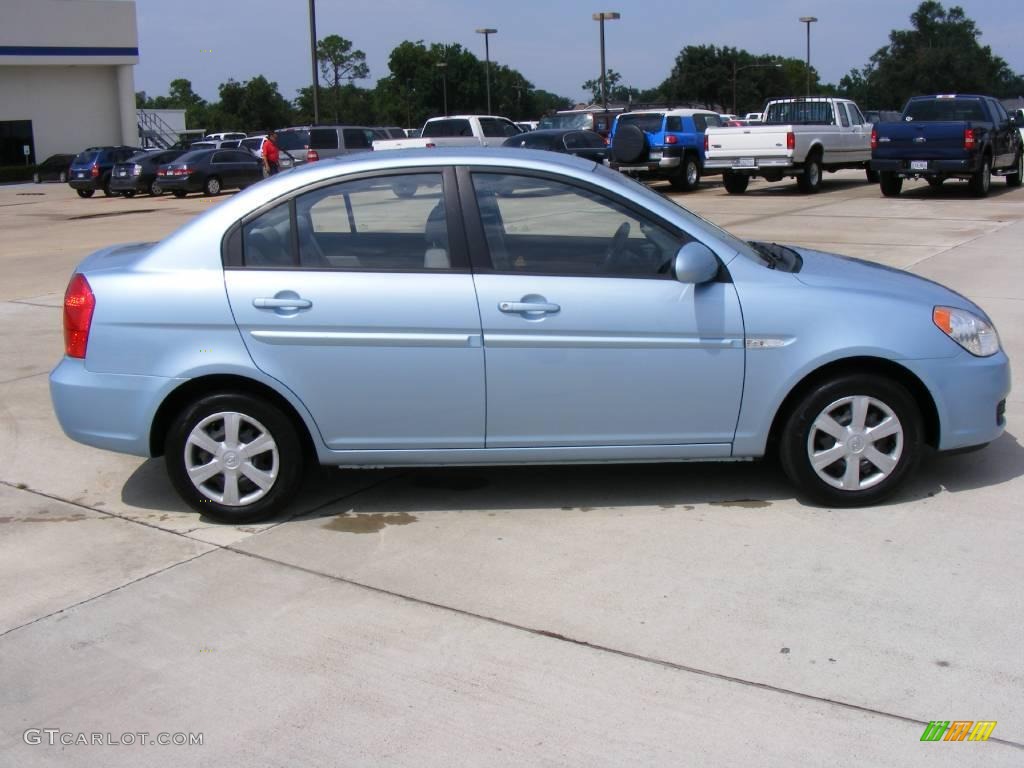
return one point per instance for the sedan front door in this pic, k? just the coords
(589, 339)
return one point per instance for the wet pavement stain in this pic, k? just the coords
(368, 523)
(744, 503)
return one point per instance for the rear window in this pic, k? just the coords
(674, 124)
(84, 158)
(192, 157)
(800, 113)
(575, 122)
(437, 129)
(649, 122)
(944, 110)
(293, 140)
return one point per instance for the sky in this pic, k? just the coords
(553, 43)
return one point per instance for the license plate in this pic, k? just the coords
(655, 155)
(919, 165)
(80, 175)
(123, 173)
(745, 162)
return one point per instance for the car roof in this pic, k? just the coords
(680, 112)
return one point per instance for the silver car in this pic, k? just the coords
(468, 306)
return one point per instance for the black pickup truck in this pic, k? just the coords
(948, 137)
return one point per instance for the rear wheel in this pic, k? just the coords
(688, 176)
(212, 186)
(84, 192)
(809, 181)
(1015, 177)
(154, 188)
(236, 458)
(851, 441)
(891, 184)
(982, 180)
(735, 183)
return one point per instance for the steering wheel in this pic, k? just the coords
(617, 244)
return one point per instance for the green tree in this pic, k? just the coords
(253, 105)
(180, 96)
(339, 62)
(705, 75)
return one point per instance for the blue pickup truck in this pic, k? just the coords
(949, 136)
(663, 144)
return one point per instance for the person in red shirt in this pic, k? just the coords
(271, 154)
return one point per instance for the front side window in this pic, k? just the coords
(535, 225)
(388, 223)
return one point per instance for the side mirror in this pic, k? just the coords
(695, 263)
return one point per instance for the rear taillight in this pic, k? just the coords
(312, 156)
(430, 145)
(705, 142)
(670, 139)
(78, 306)
(790, 140)
(94, 171)
(969, 138)
(874, 138)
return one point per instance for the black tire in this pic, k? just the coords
(809, 181)
(212, 186)
(84, 192)
(688, 176)
(1015, 179)
(129, 193)
(256, 414)
(934, 181)
(891, 184)
(630, 145)
(155, 189)
(871, 175)
(982, 180)
(180, 193)
(735, 183)
(105, 186)
(795, 441)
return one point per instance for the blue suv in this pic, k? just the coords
(662, 144)
(92, 167)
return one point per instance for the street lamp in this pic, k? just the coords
(443, 66)
(602, 17)
(487, 32)
(312, 55)
(736, 71)
(808, 20)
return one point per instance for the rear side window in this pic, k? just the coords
(674, 124)
(355, 138)
(324, 138)
(855, 116)
(494, 128)
(437, 129)
(267, 240)
(293, 139)
(843, 119)
(700, 123)
(712, 121)
(83, 158)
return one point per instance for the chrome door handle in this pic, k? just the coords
(528, 306)
(282, 303)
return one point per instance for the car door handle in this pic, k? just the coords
(528, 306)
(295, 303)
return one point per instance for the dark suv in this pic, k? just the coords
(91, 168)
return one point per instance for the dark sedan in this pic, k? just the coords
(139, 172)
(53, 168)
(210, 171)
(586, 144)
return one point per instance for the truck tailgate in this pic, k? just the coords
(919, 140)
(754, 141)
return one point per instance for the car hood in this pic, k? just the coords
(829, 270)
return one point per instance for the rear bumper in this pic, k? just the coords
(107, 410)
(934, 166)
(752, 166)
(90, 183)
(128, 184)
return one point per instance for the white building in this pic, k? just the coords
(66, 76)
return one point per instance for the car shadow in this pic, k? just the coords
(329, 492)
(954, 190)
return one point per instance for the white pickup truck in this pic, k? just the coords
(456, 131)
(799, 138)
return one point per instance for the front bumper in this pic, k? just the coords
(107, 410)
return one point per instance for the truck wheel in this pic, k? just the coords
(735, 183)
(84, 192)
(872, 176)
(891, 184)
(1014, 178)
(809, 181)
(982, 180)
(688, 176)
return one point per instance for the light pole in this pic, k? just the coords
(312, 55)
(443, 66)
(808, 20)
(736, 71)
(602, 17)
(487, 32)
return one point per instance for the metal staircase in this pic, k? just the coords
(154, 132)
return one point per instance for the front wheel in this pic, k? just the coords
(891, 184)
(982, 180)
(735, 183)
(212, 186)
(809, 181)
(1016, 176)
(852, 441)
(688, 176)
(236, 458)
(84, 192)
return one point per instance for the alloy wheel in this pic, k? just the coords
(231, 459)
(855, 443)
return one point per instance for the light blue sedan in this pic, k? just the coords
(468, 307)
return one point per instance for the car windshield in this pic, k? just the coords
(293, 140)
(799, 112)
(944, 110)
(575, 121)
(649, 122)
(84, 158)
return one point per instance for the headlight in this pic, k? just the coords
(968, 330)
